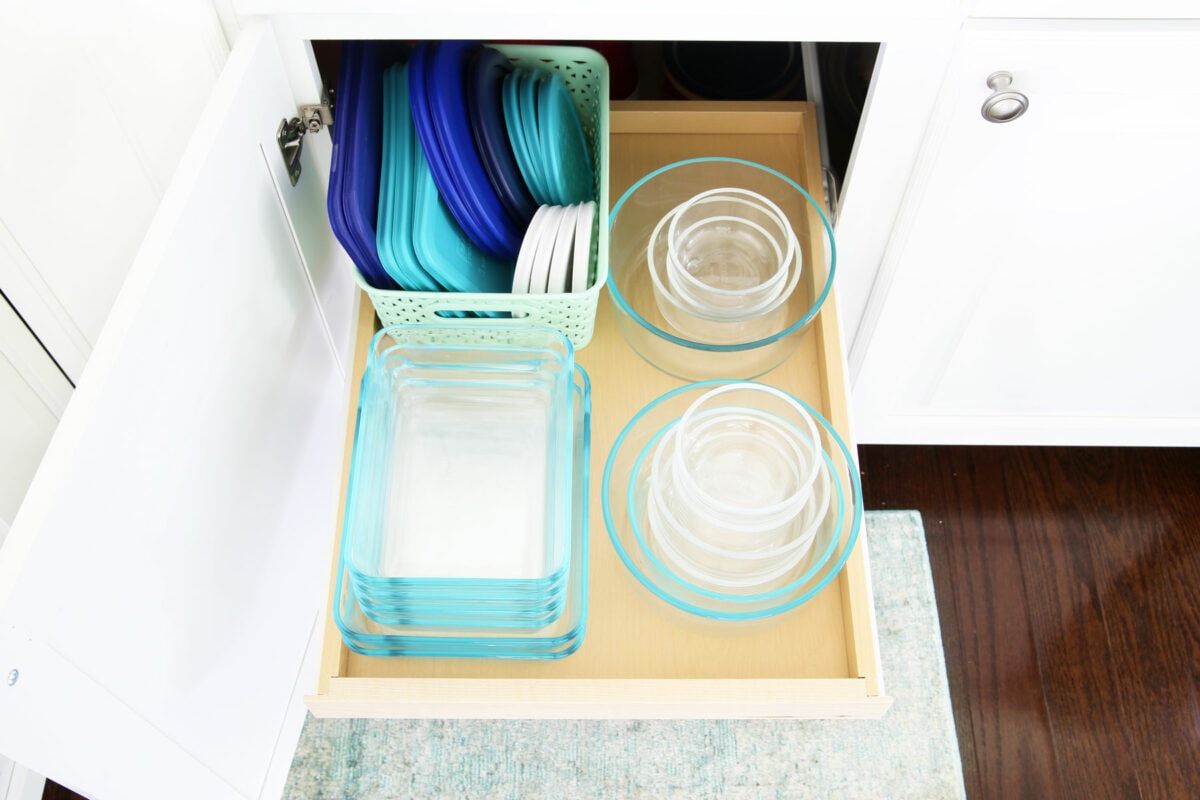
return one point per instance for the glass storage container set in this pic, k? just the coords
(466, 522)
(466, 517)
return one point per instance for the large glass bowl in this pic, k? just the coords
(741, 349)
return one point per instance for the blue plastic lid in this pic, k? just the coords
(347, 85)
(362, 154)
(451, 152)
(423, 121)
(486, 73)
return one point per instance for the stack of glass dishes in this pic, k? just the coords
(466, 515)
(708, 276)
(731, 500)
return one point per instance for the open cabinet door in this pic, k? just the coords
(163, 578)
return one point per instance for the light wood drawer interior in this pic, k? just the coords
(642, 658)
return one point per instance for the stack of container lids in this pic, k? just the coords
(436, 176)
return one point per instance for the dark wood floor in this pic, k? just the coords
(1068, 587)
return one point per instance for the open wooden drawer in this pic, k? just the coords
(640, 658)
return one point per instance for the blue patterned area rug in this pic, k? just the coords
(911, 753)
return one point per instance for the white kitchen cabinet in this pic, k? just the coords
(33, 394)
(163, 578)
(90, 139)
(162, 585)
(18, 783)
(1083, 9)
(1041, 282)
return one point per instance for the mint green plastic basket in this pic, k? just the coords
(586, 74)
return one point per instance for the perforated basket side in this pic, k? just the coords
(585, 73)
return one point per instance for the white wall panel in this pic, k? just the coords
(101, 99)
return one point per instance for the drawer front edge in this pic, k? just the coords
(598, 699)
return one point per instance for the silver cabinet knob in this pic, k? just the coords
(1003, 104)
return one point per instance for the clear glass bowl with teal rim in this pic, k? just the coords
(700, 348)
(624, 487)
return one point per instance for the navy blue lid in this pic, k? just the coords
(431, 90)
(347, 79)
(426, 127)
(445, 80)
(361, 155)
(486, 72)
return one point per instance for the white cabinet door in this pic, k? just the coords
(33, 394)
(162, 580)
(1042, 283)
(90, 139)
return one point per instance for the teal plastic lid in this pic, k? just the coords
(565, 158)
(397, 181)
(442, 247)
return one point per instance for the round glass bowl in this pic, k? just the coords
(780, 557)
(729, 253)
(683, 314)
(742, 472)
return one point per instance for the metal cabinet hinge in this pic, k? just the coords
(290, 134)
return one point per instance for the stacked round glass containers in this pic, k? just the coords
(728, 499)
(731, 500)
(706, 268)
